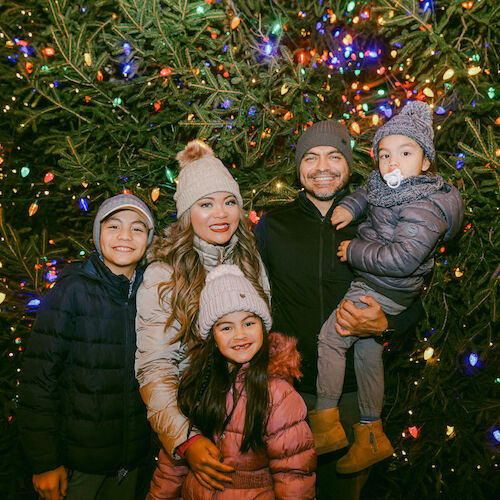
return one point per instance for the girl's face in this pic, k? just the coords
(403, 153)
(238, 336)
(215, 217)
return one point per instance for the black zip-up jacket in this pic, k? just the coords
(79, 402)
(299, 249)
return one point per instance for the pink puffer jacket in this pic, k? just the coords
(284, 471)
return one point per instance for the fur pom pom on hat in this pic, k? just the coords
(414, 121)
(201, 174)
(227, 290)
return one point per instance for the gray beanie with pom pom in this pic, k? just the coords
(414, 121)
(201, 174)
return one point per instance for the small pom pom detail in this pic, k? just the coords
(224, 270)
(193, 151)
(418, 109)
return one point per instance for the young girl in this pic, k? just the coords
(238, 392)
(210, 229)
(409, 211)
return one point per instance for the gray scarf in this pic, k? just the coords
(411, 189)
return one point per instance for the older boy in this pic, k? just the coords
(82, 421)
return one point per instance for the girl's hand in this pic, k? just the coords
(51, 485)
(341, 217)
(342, 252)
(204, 460)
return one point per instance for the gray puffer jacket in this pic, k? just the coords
(159, 362)
(394, 247)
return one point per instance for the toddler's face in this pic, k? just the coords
(238, 336)
(403, 153)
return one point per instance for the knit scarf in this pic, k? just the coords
(411, 189)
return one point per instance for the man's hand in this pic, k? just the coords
(341, 217)
(51, 485)
(204, 460)
(361, 322)
(342, 252)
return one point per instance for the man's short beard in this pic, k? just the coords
(321, 197)
(329, 196)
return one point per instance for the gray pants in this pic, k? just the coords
(83, 486)
(368, 365)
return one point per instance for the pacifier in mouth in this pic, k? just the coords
(394, 178)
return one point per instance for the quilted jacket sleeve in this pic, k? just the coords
(355, 202)
(290, 445)
(38, 412)
(157, 360)
(166, 483)
(418, 229)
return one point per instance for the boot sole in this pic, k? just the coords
(322, 450)
(351, 470)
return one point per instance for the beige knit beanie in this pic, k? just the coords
(227, 290)
(201, 174)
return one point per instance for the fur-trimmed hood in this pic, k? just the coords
(284, 359)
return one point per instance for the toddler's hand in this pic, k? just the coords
(342, 252)
(341, 217)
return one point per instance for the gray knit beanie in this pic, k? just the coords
(201, 174)
(121, 202)
(325, 133)
(414, 121)
(227, 290)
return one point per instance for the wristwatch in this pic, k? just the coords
(384, 337)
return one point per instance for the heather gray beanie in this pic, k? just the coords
(325, 133)
(201, 174)
(227, 290)
(121, 202)
(414, 121)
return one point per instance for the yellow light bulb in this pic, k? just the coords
(474, 70)
(448, 74)
(428, 353)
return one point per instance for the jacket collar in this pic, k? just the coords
(310, 208)
(213, 255)
(119, 287)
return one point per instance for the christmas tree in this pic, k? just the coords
(98, 98)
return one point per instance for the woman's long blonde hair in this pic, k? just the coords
(176, 250)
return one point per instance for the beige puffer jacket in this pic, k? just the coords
(159, 363)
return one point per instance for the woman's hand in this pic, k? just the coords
(51, 485)
(204, 461)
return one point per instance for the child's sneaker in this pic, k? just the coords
(328, 433)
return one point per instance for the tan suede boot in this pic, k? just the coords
(328, 433)
(371, 445)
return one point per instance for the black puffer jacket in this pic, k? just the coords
(79, 403)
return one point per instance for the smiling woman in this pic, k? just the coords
(215, 217)
(211, 229)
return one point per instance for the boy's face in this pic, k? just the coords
(403, 153)
(238, 336)
(124, 238)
